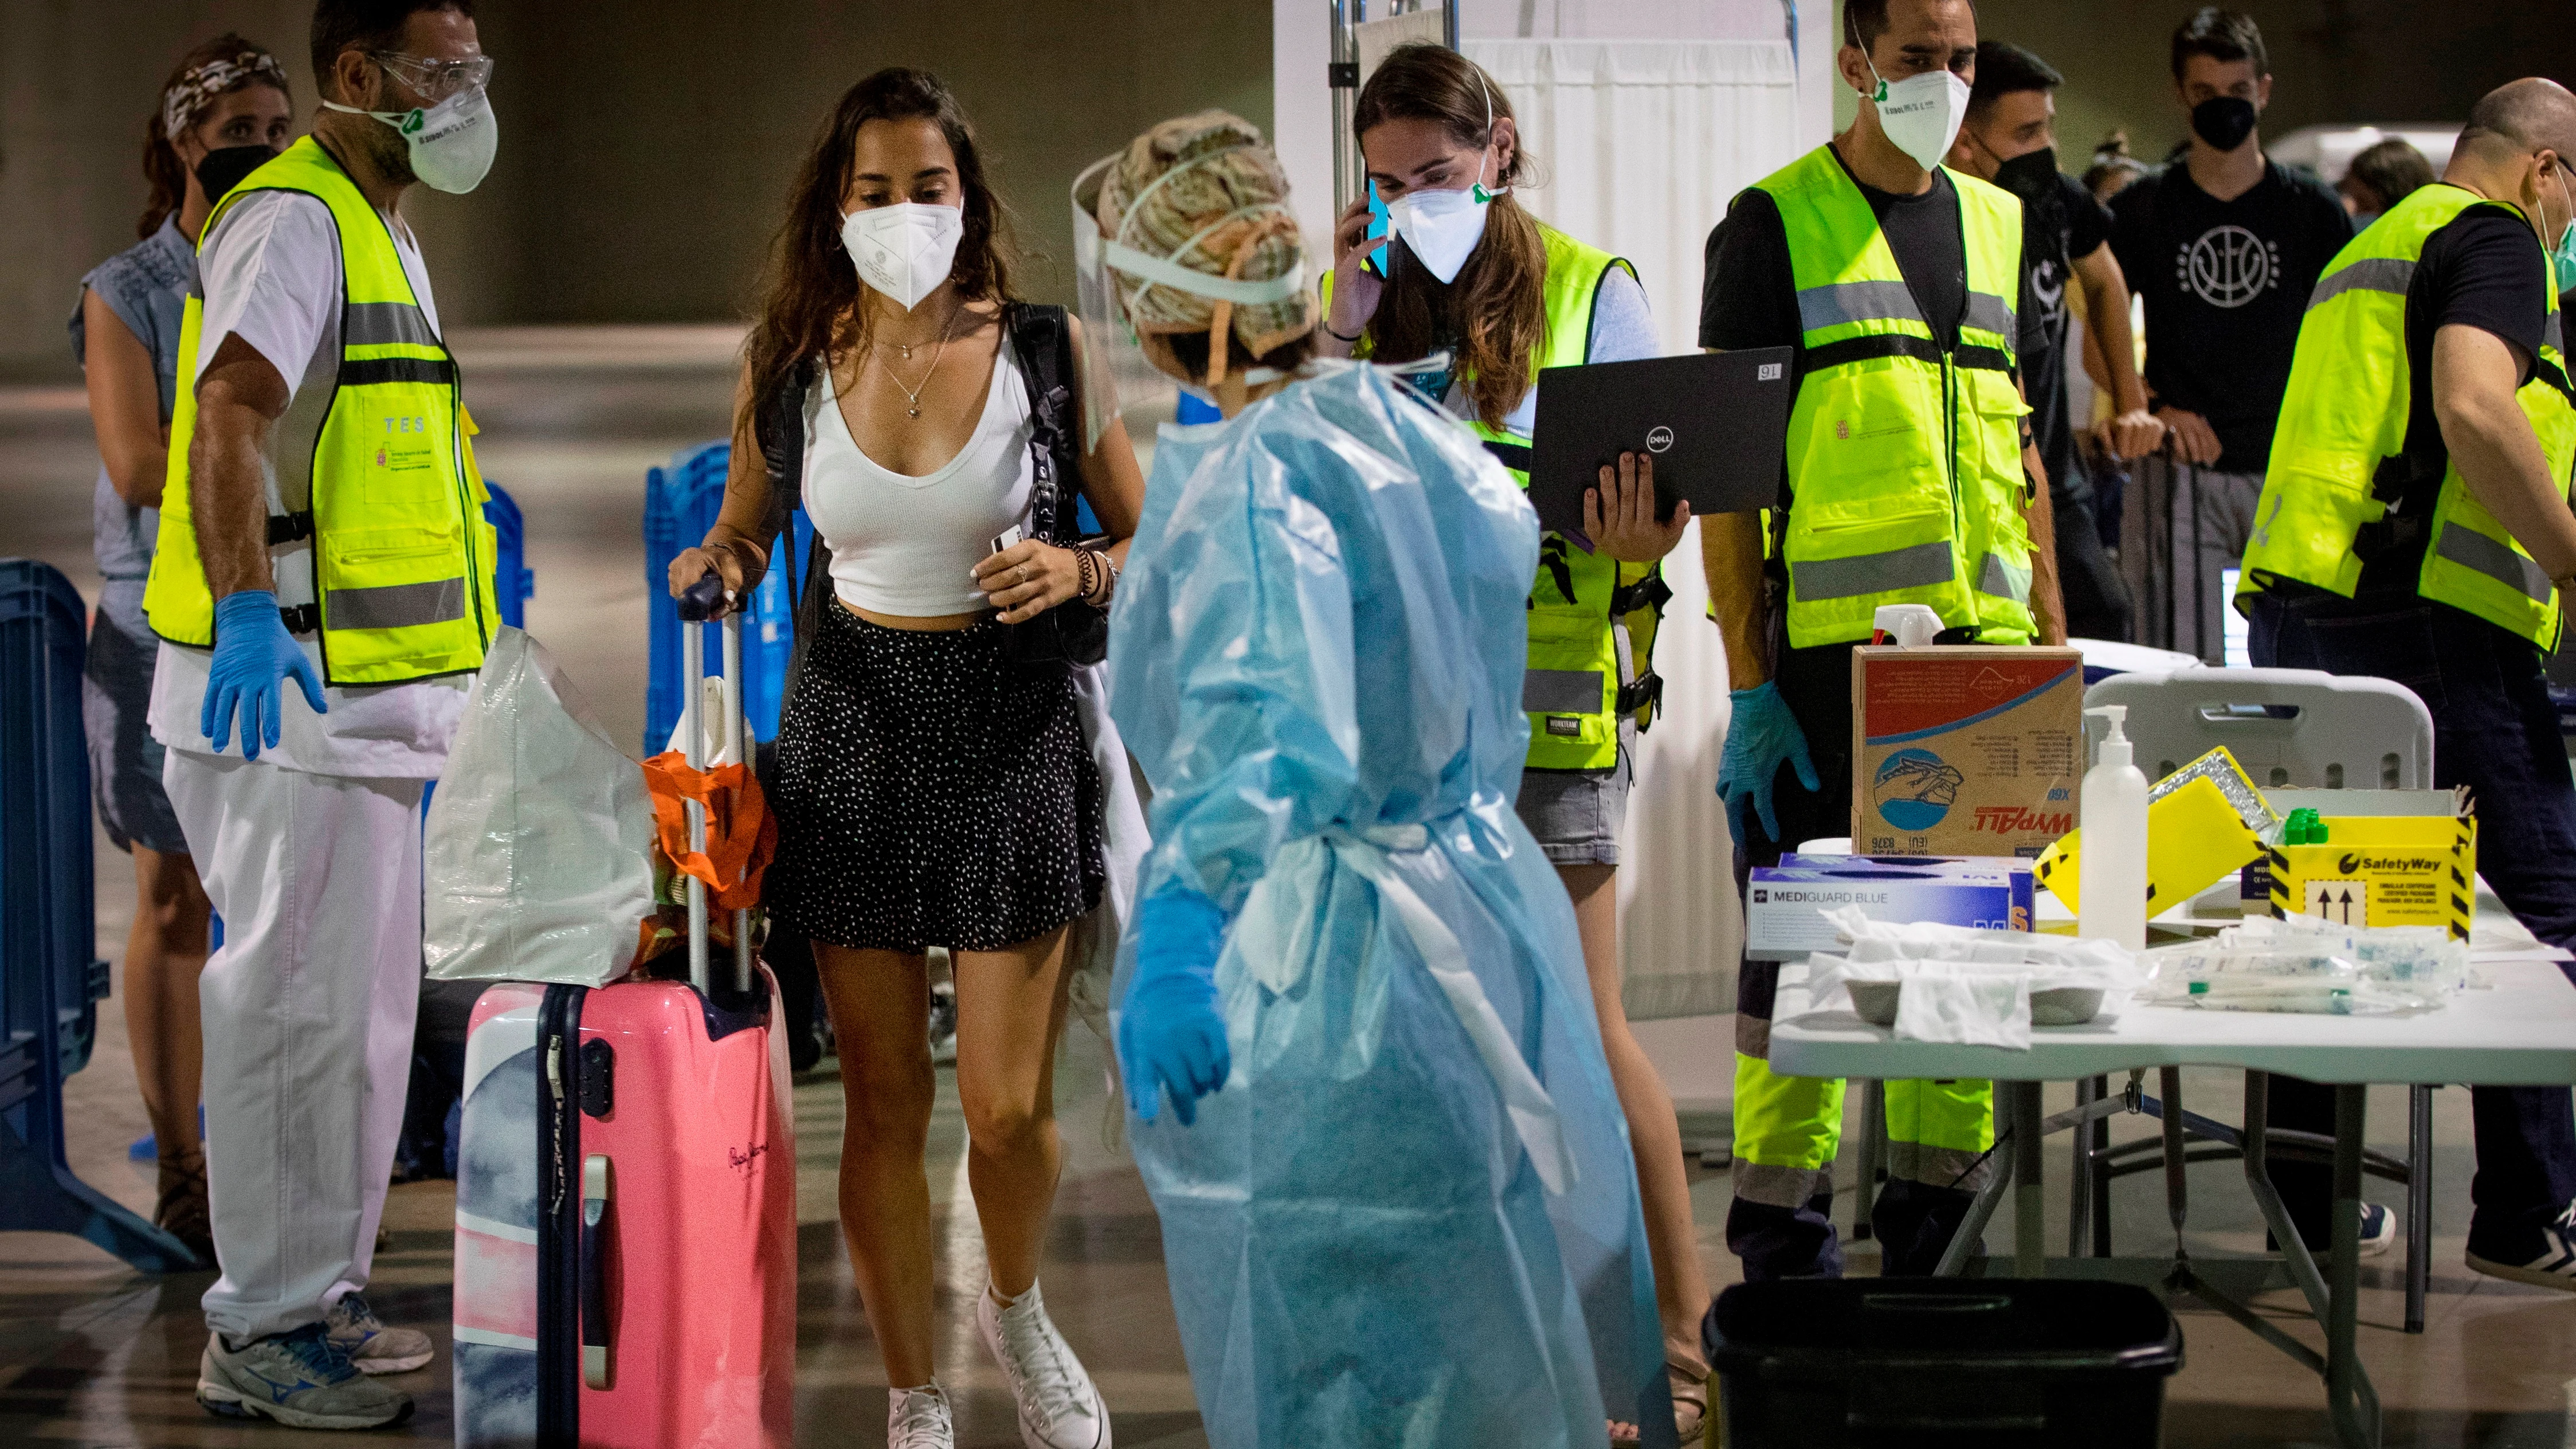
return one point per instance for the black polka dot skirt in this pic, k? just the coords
(930, 793)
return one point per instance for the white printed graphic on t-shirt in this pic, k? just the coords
(2229, 266)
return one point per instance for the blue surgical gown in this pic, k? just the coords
(1410, 1217)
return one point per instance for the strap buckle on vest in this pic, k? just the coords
(1650, 592)
(301, 618)
(285, 528)
(1636, 694)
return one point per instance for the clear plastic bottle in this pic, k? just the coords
(2113, 882)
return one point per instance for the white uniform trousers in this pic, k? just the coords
(308, 1022)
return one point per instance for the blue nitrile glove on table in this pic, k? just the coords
(253, 654)
(1170, 1036)
(1760, 736)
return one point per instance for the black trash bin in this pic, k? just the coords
(1941, 1362)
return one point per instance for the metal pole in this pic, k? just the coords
(693, 667)
(2030, 1249)
(1449, 23)
(2419, 1203)
(737, 746)
(1343, 75)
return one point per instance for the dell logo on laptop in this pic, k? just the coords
(1659, 440)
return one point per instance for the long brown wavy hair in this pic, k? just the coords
(162, 169)
(809, 303)
(1495, 312)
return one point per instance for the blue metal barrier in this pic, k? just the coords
(51, 978)
(680, 505)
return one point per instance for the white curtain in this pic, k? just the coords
(1641, 145)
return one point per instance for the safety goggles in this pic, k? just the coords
(436, 80)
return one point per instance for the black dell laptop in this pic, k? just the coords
(1715, 424)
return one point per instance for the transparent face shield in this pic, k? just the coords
(1112, 278)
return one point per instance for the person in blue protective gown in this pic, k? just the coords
(1367, 1085)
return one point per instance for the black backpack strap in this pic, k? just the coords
(1042, 344)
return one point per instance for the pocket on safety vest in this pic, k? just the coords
(363, 547)
(1864, 440)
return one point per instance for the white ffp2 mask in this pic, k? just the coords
(905, 250)
(451, 143)
(1922, 113)
(1441, 228)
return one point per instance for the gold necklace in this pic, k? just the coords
(912, 395)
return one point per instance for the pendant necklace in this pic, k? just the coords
(912, 395)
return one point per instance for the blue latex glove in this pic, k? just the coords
(1761, 735)
(1170, 1036)
(253, 654)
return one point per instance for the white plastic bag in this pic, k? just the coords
(1091, 947)
(538, 851)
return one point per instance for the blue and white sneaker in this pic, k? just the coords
(300, 1379)
(2378, 1230)
(2554, 1266)
(370, 1344)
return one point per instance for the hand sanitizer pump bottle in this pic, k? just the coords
(2113, 884)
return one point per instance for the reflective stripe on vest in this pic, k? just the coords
(1904, 457)
(371, 463)
(1581, 651)
(2346, 412)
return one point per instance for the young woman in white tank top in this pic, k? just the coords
(929, 792)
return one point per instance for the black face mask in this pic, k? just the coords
(2032, 176)
(224, 169)
(2223, 121)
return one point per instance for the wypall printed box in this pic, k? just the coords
(1965, 750)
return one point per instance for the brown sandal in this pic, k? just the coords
(1690, 1403)
(182, 1210)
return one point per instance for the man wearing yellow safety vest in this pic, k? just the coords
(1483, 296)
(1909, 478)
(2414, 524)
(322, 522)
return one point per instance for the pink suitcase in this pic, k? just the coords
(626, 1209)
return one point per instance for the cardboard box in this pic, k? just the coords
(1784, 905)
(2412, 869)
(1965, 751)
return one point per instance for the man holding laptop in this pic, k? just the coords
(1908, 477)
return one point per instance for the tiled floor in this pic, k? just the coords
(94, 1355)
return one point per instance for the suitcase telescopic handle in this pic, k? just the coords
(596, 1183)
(700, 601)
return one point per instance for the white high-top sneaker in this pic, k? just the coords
(1059, 1406)
(918, 1419)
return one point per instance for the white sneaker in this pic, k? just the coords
(1059, 1406)
(370, 1344)
(918, 1419)
(300, 1379)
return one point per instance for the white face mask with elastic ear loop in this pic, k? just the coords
(1921, 114)
(904, 250)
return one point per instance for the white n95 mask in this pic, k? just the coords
(1922, 113)
(905, 250)
(1441, 228)
(451, 142)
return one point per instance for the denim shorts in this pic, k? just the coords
(1577, 814)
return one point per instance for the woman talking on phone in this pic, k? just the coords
(933, 785)
(1487, 295)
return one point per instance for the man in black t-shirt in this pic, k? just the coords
(2487, 415)
(2010, 140)
(2225, 246)
(1791, 613)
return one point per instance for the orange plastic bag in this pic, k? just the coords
(741, 833)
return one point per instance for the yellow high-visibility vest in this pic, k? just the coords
(1904, 459)
(372, 462)
(2337, 454)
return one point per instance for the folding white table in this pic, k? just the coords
(2518, 1030)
